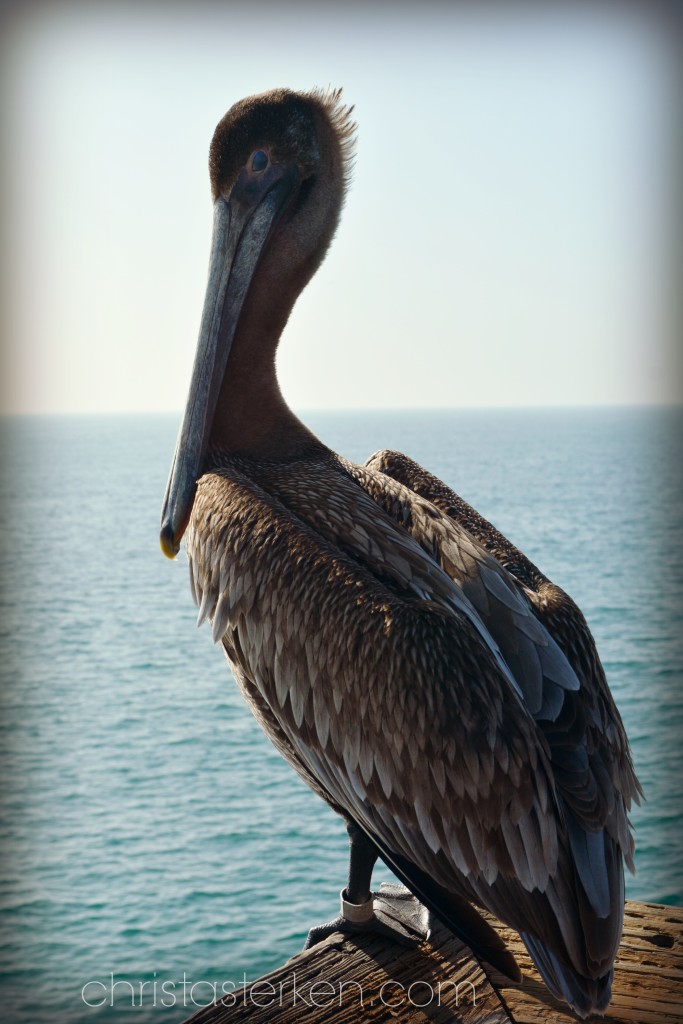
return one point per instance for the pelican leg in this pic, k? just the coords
(392, 911)
(362, 859)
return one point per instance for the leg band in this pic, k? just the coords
(356, 912)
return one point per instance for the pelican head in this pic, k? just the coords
(279, 165)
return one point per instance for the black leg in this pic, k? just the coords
(392, 912)
(362, 858)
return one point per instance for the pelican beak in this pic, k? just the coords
(241, 229)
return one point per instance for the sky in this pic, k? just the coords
(509, 237)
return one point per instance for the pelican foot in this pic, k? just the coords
(392, 912)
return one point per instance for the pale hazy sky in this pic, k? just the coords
(508, 238)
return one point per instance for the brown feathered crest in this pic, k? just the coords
(345, 128)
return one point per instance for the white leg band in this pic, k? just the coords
(356, 912)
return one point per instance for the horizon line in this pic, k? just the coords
(353, 410)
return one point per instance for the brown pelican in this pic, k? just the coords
(418, 672)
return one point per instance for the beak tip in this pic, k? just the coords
(167, 539)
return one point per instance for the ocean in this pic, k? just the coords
(154, 845)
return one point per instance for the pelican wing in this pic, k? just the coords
(379, 669)
(589, 748)
(389, 692)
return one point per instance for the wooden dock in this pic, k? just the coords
(367, 979)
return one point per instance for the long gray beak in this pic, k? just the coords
(240, 233)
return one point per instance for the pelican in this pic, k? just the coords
(414, 668)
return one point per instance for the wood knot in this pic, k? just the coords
(666, 941)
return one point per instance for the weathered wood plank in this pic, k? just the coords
(366, 979)
(648, 980)
(351, 980)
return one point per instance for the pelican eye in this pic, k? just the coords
(259, 161)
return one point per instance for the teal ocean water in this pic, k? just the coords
(153, 844)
